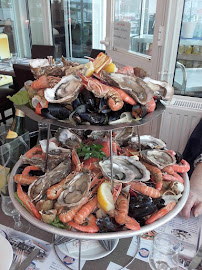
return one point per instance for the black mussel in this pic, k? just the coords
(103, 106)
(76, 118)
(56, 111)
(139, 111)
(76, 103)
(159, 202)
(178, 157)
(114, 115)
(127, 107)
(88, 98)
(141, 206)
(81, 109)
(108, 224)
(94, 118)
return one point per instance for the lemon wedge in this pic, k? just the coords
(90, 69)
(111, 68)
(105, 198)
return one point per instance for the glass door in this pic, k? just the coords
(151, 25)
(78, 26)
(188, 72)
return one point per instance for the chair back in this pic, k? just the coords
(95, 52)
(42, 51)
(22, 74)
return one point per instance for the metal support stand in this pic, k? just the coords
(79, 263)
(47, 147)
(139, 144)
(133, 258)
(111, 161)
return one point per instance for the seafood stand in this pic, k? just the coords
(109, 167)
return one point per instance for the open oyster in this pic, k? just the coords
(123, 135)
(125, 169)
(160, 158)
(67, 138)
(39, 187)
(76, 190)
(160, 89)
(65, 91)
(147, 141)
(133, 86)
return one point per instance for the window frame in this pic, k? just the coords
(161, 64)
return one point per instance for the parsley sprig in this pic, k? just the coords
(90, 150)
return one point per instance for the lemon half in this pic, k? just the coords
(111, 68)
(90, 69)
(105, 198)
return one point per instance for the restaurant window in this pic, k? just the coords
(78, 26)
(7, 34)
(188, 72)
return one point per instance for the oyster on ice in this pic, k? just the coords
(160, 158)
(125, 169)
(133, 86)
(75, 191)
(65, 91)
(147, 141)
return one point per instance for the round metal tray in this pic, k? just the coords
(94, 236)
(62, 123)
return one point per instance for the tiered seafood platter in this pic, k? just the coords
(74, 183)
(97, 178)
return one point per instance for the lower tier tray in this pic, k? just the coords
(95, 236)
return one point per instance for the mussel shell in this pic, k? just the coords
(141, 206)
(77, 102)
(88, 98)
(113, 116)
(103, 106)
(56, 111)
(81, 109)
(94, 118)
(108, 224)
(139, 111)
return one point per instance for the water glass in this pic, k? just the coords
(13, 59)
(165, 251)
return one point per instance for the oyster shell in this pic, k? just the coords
(65, 91)
(160, 158)
(160, 89)
(133, 86)
(125, 169)
(48, 215)
(123, 135)
(39, 187)
(75, 191)
(67, 138)
(147, 141)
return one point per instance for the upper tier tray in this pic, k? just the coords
(61, 123)
(95, 236)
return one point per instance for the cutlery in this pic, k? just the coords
(17, 259)
(29, 259)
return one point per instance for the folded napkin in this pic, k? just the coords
(73, 246)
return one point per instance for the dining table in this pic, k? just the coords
(6, 65)
(118, 256)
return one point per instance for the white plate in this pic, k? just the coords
(90, 254)
(6, 253)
